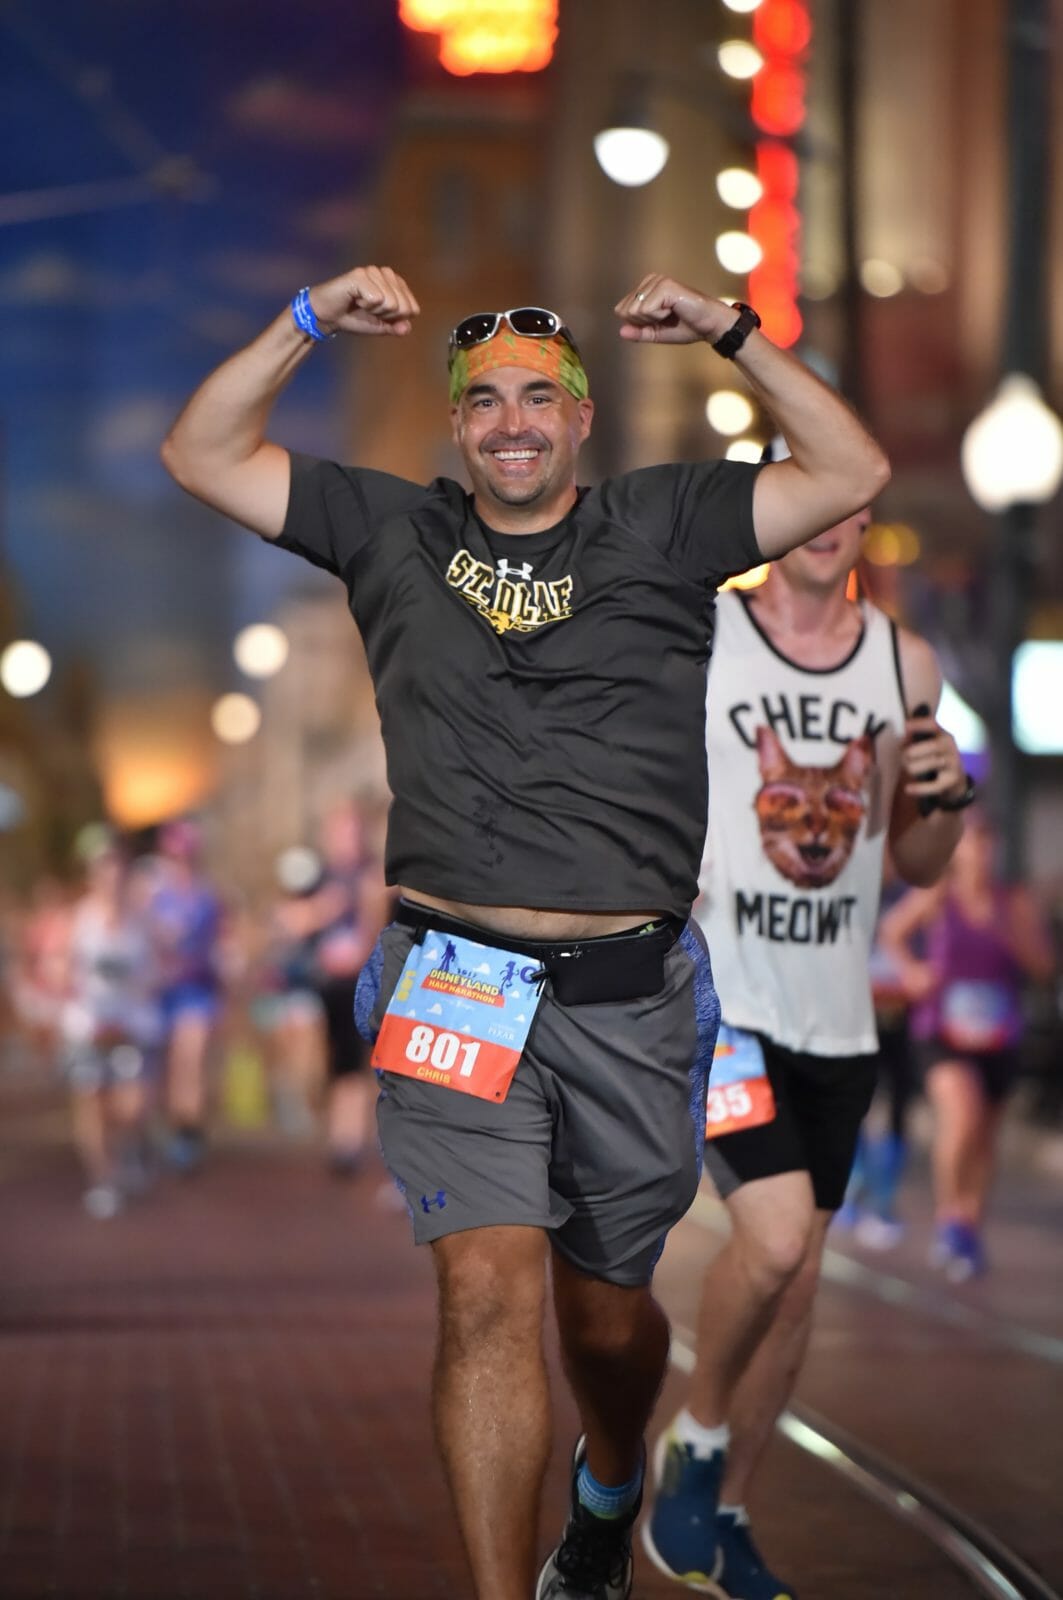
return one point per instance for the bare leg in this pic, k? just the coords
(772, 1221)
(491, 1398)
(614, 1343)
(958, 1141)
(983, 1164)
(350, 1107)
(768, 1381)
(90, 1135)
(186, 1080)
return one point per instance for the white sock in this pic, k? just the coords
(704, 1442)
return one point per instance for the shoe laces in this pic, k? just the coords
(594, 1550)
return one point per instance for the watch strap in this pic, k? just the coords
(961, 801)
(729, 343)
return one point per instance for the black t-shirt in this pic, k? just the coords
(541, 696)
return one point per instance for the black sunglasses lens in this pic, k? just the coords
(533, 322)
(474, 330)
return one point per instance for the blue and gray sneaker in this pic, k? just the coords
(593, 1560)
(680, 1534)
(958, 1248)
(743, 1575)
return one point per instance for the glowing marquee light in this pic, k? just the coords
(782, 32)
(487, 35)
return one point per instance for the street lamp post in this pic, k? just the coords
(1013, 452)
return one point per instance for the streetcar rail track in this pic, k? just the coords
(994, 1570)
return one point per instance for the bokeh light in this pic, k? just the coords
(630, 156)
(744, 450)
(728, 412)
(738, 188)
(261, 649)
(738, 252)
(235, 718)
(882, 279)
(25, 668)
(739, 59)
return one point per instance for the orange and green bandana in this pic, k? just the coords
(553, 357)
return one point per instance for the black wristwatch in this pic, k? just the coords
(729, 343)
(962, 801)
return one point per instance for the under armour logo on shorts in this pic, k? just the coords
(433, 1202)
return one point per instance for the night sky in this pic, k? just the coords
(267, 120)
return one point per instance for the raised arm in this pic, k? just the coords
(217, 448)
(835, 467)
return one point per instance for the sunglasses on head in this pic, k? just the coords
(529, 322)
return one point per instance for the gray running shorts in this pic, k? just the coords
(599, 1139)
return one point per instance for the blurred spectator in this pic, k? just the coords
(983, 941)
(186, 918)
(111, 1029)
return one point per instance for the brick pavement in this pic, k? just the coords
(224, 1393)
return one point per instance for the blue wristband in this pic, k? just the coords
(305, 321)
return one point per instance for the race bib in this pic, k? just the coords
(739, 1091)
(977, 1015)
(460, 1015)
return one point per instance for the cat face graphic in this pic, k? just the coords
(810, 816)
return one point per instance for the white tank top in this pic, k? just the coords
(803, 764)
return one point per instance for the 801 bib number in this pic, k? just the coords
(441, 1049)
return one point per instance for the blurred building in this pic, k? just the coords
(49, 785)
(319, 743)
(460, 210)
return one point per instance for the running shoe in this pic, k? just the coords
(186, 1151)
(680, 1535)
(103, 1201)
(967, 1258)
(743, 1575)
(878, 1233)
(958, 1250)
(593, 1560)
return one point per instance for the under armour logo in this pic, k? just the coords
(433, 1201)
(504, 570)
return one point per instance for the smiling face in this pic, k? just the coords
(519, 434)
(826, 561)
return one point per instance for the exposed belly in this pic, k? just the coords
(524, 922)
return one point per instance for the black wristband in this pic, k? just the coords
(962, 801)
(729, 343)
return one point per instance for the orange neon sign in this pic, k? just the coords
(782, 31)
(487, 35)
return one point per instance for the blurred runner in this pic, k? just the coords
(111, 1029)
(870, 1207)
(814, 761)
(186, 918)
(286, 1006)
(984, 940)
(38, 966)
(350, 908)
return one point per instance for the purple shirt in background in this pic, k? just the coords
(977, 1007)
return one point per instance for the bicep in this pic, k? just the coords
(791, 506)
(252, 492)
